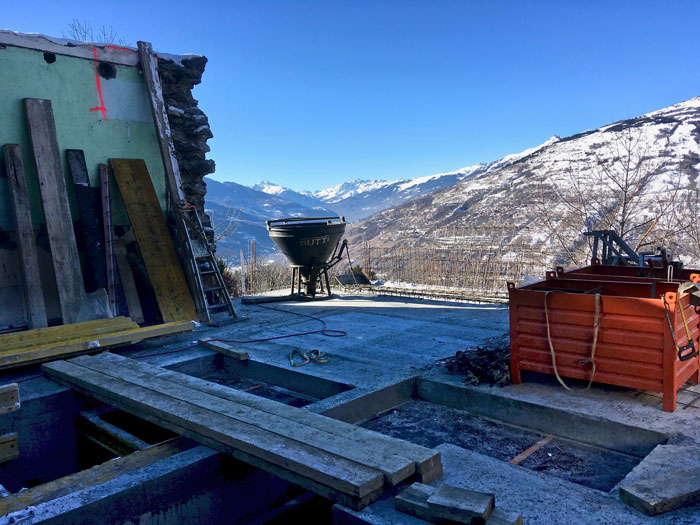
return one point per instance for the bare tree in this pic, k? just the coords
(83, 32)
(620, 188)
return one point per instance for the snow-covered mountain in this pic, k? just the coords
(238, 213)
(305, 199)
(359, 198)
(639, 175)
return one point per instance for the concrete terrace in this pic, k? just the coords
(381, 373)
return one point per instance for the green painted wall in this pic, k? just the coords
(128, 131)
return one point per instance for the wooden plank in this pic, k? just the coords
(530, 451)
(190, 420)
(91, 477)
(427, 461)
(9, 447)
(669, 491)
(9, 398)
(461, 505)
(394, 467)
(129, 285)
(90, 212)
(176, 196)
(55, 331)
(26, 243)
(160, 118)
(48, 352)
(156, 245)
(224, 349)
(108, 236)
(59, 224)
(77, 167)
(80, 332)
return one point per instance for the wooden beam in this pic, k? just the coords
(9, 398)
(80, 331)
(154, 240)
(9, 447)
(56, 331)
(149, 68)
(176, 196)
(224, 349)
(59, 223)
(108, 237)
(90, 477)
(321, 467)
(394, 467)
(90, 212)
(126, 276)
(26, 243)
(428, 462)
(122, 56)
(88, 345)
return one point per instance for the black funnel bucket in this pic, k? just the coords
(308, 243)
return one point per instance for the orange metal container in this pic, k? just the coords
(635, 348)
(629, 271)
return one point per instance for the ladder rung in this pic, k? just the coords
(219, 307)
(213, 288)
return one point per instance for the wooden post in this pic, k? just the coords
(160, 117)
(26, 246)
(172, 176)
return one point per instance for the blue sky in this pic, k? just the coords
(312, 93)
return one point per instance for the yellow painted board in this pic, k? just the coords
(77, 333)
(49, 353)
(154, 240)
(29, 335)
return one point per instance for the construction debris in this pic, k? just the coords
(482, 365)
(451, 504)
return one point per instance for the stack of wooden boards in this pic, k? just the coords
(345, 463)
(44, 344)
(449, 504)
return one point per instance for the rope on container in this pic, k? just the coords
(596, 326)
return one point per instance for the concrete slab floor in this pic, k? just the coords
(388, 339)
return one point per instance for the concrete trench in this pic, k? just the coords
(596, 441)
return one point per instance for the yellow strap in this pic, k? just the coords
(685, 321)
(596, 326)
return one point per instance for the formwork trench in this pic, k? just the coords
(84, 444)
(430, 425)
(290, 387)
(588, 451)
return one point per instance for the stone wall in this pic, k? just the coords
(190, 129)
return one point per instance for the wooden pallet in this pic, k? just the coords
(34, 346)
(339, 461)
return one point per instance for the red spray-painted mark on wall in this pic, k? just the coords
(101, 108)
